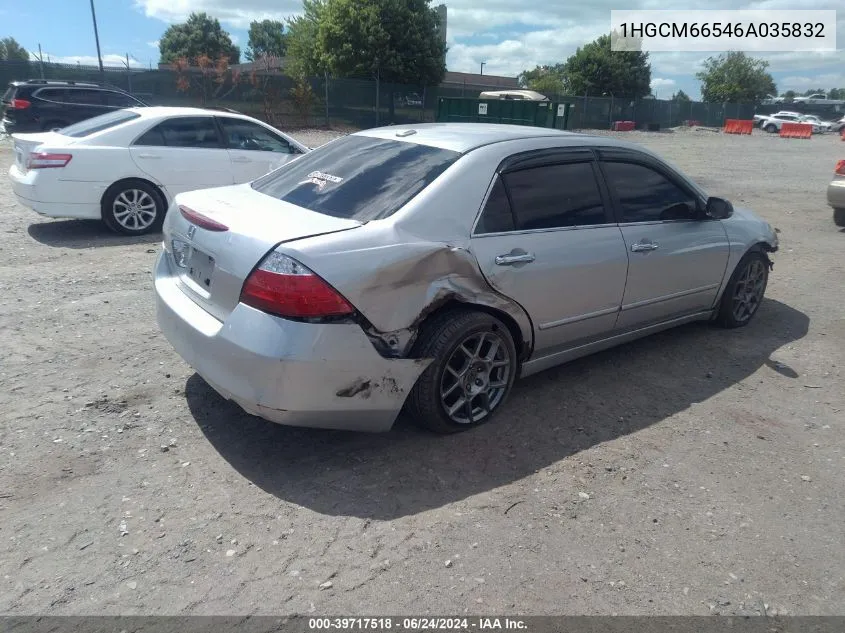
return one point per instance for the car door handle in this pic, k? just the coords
(241, 159)
(156, 156)
(644, 247)
(512, 258)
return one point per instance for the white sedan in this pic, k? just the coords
(125, 167)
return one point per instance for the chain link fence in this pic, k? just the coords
(349, 103)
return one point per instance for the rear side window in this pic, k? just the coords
(556, 196)
(196, 132)
(497, 216)
(357, 177)
(119, 100)
(51, 94)
(99, 123)
(83, 96)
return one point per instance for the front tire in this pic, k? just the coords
(745, 291)
(839, 217)
(474, 367)
(133, 207)
(771, 128)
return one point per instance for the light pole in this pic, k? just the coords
(482, 67)
(97, 39)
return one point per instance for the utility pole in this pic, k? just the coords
(482, 67)
(40, 60)
(97, 39)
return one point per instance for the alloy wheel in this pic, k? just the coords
(476, 377)
(749, 289)
(134, 209)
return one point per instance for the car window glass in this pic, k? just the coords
(83, 96)
(556, 196)
(99, 123)
(198, 132)
(119, 100)
(251, 136)
(497, 216)
(646, 195)
(357, 177)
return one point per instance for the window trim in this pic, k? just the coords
(158, 122)
(614, 155)
(546, 157)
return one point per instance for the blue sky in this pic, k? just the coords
(508, 36)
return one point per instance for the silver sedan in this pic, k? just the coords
(428, 267)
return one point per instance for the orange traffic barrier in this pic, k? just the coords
(796, 130)
(843, 134)
(738, 126)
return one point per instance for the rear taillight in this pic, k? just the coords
(202, 221)
(840, 168)
(19, 104)
(284, 287)
(47, 160)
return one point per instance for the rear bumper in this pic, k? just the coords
(299, 374)
(836, 194)
(27, 193)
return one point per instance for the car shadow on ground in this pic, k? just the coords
(549, 417)
(84, 234)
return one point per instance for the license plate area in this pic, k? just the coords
(200, 268)
(19, 159)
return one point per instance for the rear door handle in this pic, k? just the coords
(644, 247)
(149, 156)
(241, 159)
(510, 259)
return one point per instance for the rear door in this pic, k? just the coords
(254, 150)
(547, 239)
(183, 154)
(677, 257)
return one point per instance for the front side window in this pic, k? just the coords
(357, 177)
(646, 195)
(194, 132)
(251, 136)
(556, 196)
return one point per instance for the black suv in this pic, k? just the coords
(40, 105)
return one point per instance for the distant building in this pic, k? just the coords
(475, 79)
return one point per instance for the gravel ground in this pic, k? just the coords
(698, 471)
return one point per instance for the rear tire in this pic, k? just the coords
(474, 368)
(771, 128)
(745, 291)
(839, 217)
(133, 207)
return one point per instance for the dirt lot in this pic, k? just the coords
(711, 462)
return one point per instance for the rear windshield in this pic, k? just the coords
(99, 123)
(357, 177)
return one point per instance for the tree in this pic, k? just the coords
(789, 96)
(595, 69)
(303, 58)
(681, 97)
(817, 91)
(200, 36)
(266, 38)
(11, 51)
(547, 80)
(836, 93)
(395, 40)
(734, 77)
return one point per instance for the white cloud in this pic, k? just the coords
(530, 34)
(88, 60)
(154, 44)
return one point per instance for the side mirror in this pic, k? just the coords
(718, 209)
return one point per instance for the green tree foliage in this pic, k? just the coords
(11, 51)
(266, 37)
(817, 91)
(789, 96)
(547, 80)
(200, 35)
(681, 97)
(735, 77)
(303, 56)
(596, 70)
(397, 40)
(836, 93)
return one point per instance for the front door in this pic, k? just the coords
(546, 239)
(677, 258)
(184, 154)
(254, 149)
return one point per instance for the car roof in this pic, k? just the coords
(166, 111)
(464, 137)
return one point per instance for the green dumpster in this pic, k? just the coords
(507, 111)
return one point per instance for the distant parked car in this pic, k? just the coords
(819, 126)
(837, 126)
(836, 194)
(518, 95)
(125, 167)
(39, 105)
(775, 122)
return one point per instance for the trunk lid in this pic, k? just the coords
(215, 264)
(26, 144)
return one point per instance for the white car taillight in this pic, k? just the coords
(47, 160)
(284, 287)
